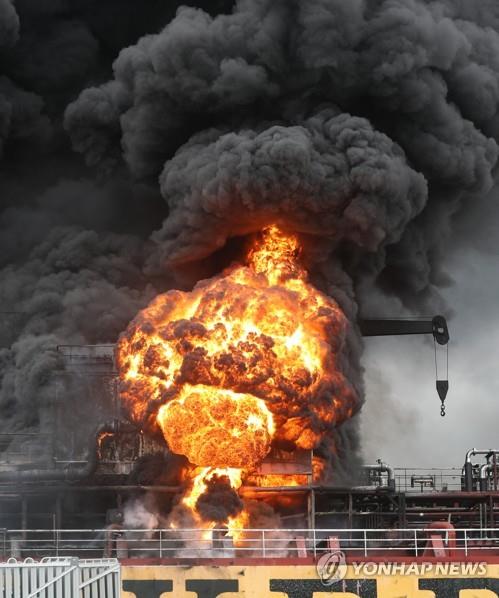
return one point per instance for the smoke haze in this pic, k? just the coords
(137, 141)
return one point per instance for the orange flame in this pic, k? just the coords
(240, 427)
(246, 358)
(101, 442)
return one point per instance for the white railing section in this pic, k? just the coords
(60, 577)
(259, 543)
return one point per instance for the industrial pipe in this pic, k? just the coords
(69, 474)
(468, 466)
(383, 468)
(484, 476)
(472, 452)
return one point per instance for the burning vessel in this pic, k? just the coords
(222, 454)
(187, 290)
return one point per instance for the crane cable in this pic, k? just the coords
(442, 407)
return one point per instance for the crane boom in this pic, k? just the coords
(437, 326)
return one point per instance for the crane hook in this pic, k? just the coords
(442, 389)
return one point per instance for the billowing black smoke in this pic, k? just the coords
(72, 244)
(367, 124)
(340, 117)
(219, 501)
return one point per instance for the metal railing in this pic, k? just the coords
(20, 447)
(259, 543)
(26, 448)
(60, 578)
(431, 479)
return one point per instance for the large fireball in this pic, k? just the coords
(245, 358)
(223, 428)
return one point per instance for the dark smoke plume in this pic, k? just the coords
(372, 122)
(72, 245)
(366, 124)
(219, 501)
